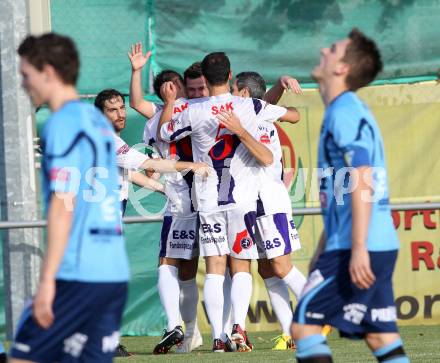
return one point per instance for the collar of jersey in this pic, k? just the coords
(223, 95)
(340, 97)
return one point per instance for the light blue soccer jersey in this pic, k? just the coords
(349, 138)
(79, 157)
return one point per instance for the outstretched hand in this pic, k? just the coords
(290, 84)
(137, 59)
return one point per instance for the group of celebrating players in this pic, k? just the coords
(215, 141)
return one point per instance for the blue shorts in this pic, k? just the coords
(85, 329)
(329, 296)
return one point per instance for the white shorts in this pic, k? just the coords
(229, 232)
(276, 235)
(178, 238)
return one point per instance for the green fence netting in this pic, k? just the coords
(272, 37)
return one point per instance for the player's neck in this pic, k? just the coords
(218, 90)
(329, 91)
(62, 95)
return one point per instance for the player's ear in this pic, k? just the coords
(49, 73)
(245, 92)
(342, 68)
(230, 76)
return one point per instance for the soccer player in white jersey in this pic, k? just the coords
(276, 234)
(226, 200)
(178, 265)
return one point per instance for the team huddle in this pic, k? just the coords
(215, 140)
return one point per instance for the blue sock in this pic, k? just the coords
(391, 353)
(313, 346)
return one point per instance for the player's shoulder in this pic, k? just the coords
(347, 110)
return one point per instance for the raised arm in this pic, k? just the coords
(284, 83)
(137, 101)
(263, 155)
(169, 93)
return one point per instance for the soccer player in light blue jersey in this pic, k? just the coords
(76, 312)
(349, 285)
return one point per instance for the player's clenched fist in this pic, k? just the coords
(168, 91)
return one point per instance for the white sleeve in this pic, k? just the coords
(265, 135)
(177, 128)
(268, 112)
(126, 157)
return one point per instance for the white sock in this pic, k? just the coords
(227, 311)
(213, 296)
(279, 298)
(295, 281)
(241, 293)
(189, 297)
(168, 286)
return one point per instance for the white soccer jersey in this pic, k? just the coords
(126, 159)
(273, 193)
(236, 178)
(177, 183)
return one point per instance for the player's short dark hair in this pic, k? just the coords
(194, 71)
(364, 59)
(105, 95)
(164, 76)
(253, 82)
(52, 49)
(216, 68)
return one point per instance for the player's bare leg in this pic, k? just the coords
(241, 293)
(189, 298)
(169, 293)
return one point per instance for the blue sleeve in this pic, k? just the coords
(354, 135)
(62, 153)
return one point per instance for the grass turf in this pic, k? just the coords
(421, 345)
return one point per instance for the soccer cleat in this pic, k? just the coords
(239, 337)
(3, 358)
(121, 351)
(218, 346)
(230, 346)
(190, 343)
(170, 338)
(326, 330)
(283, 342)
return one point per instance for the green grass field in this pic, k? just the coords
(422, 344)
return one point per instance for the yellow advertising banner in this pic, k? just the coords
(409, 118)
